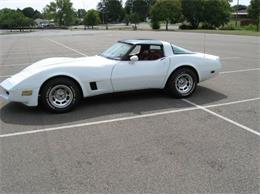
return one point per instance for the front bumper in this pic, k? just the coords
(8, 94)
(4, 95)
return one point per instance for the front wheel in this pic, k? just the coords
(182, 83)
(60, 95)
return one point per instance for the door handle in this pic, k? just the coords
(162, 58)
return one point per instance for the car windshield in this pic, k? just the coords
(117, 51)
(179, 50)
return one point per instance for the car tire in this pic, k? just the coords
(182, 83)
(60, 95)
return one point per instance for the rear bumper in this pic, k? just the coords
(213, 69)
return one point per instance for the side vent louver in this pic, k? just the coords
(93, 85)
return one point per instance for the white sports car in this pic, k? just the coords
(60, 83)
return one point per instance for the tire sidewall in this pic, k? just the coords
(172, 87)
(48, 87)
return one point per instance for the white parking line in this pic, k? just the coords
(96, 122)
(222, 117)
(120, 119)
(241, 70)
(229, 58)
(231, 103)
(7, 65)
(5, 76)
(67, 47)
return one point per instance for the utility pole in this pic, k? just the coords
(237, 12)
(106, 23)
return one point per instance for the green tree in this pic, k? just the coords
(7, 18)
(151, 2)
(50, 11)
(193, 11)
(37, 14)
(167, 10)
(216, 13)
(31, 13)
(22, 21)
(139, 7)
(28, 12)
(129, 6)
(61, 11)
(112, 10)
(92, 18)
(81, 13)
(239, 7)
(127, 19)
(134, 18)
(12, 19)
(254, 11)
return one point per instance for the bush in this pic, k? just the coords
(250, 27)
(228, 27)
(155, 25)
(207, 27)
(185, 27)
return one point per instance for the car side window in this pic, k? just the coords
(135, 51)
(155, 47)
(147, 52)
(178, 50)
(151, 52)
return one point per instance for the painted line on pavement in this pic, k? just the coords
(5, 76)
(67, 47)
(120, 119)
(96, 122)
(223, 117)
(11, 65)
(231, 103)
(229, 58)
(241, 70)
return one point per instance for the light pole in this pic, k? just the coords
(237, 12)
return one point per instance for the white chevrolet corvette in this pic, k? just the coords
(60, 83)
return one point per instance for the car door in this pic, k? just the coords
(141, 74)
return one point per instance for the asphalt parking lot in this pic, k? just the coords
(136, 142)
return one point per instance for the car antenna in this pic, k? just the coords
(204, 43)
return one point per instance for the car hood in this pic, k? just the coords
(93, 61)
(61, 62)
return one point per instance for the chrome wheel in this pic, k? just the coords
(60, 96)
(184, 83)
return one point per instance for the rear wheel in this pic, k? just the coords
(60, 95)
(182, 83)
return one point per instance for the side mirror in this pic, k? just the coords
(134, 58)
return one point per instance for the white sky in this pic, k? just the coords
(40, 4)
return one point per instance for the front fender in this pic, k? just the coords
(37, 80)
